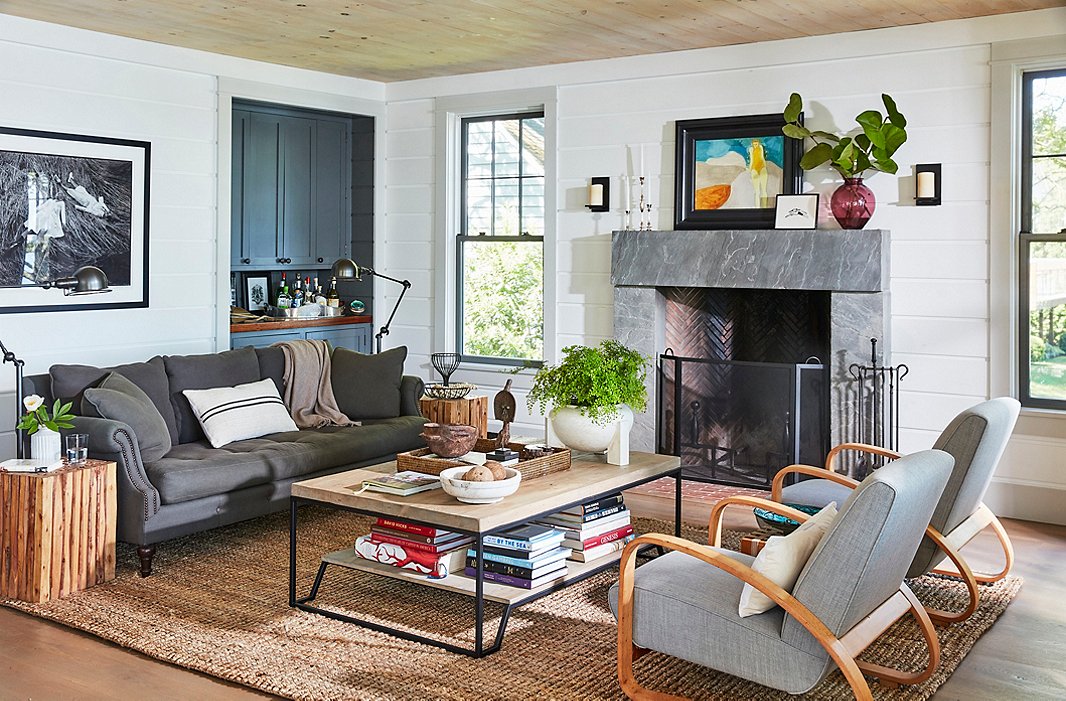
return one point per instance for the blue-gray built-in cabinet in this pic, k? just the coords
(353, 336)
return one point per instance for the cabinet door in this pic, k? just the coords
(237, 257)
(260, 204)
(332, 180)
(297, 213)
(343, 337)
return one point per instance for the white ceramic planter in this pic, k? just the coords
(45, 446)
(579, 432)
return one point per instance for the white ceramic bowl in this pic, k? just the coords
(479, 492)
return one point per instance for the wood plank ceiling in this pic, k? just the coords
(391, 40)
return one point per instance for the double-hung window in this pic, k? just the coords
(1042, 240)
(500, 243)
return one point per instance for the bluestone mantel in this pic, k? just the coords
(851, 260)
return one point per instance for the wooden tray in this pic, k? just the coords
(531, 468)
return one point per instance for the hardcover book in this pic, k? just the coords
(601, 550)
(517, 581)
(596, 505)
(549, 556)
(565, 519)
(514, 570)
(441, 564)
(601, 539)
(527, 538)
(595, 528)
(399, 525)
(442, 537)
(402, 483)
(424, 547)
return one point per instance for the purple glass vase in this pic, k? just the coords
(853, 204)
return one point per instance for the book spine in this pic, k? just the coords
(602, 550)
(406, 535)
(509, 543)
(501, 568)
(494, 557)
(573, 520)
(609, 537)
(413, 545)
(501, 578)
(407, 527)
(591, 506)
(600, 513)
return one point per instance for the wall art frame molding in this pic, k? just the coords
(710, 170)
(71, 200)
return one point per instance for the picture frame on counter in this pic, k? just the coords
(730, 171)
(72, 200)
(257, 292)
(797, 211)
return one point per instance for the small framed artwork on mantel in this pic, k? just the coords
(797, 211)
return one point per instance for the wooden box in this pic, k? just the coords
(752, 543)
(57, 531)
(530, 466)
(468, 411)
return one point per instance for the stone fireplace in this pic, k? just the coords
(775, 296)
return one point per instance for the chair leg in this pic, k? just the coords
(1008, 556)
(947, 617)
(890, 677)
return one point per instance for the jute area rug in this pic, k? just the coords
(218, 603)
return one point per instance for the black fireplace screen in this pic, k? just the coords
(737, 422)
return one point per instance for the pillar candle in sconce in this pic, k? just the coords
(927, 184)
(599, 195)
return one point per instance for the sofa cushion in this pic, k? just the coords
(118, 399)
(228, 414)
(194, 470)
(368, 386)
(70, 381)
(226, 369)
(272, 365)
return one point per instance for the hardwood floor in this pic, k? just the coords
(1019, 658)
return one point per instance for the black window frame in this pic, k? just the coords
(464, 236)
(1027, 237)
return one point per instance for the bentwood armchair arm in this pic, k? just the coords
(831, 459)
(628, 652)
(822, 473)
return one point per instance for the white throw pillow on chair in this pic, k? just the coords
(782, 559)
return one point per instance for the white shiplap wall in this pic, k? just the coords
(940, 78)
(55, 78)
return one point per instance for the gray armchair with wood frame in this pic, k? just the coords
(976, 439)
(685, 603)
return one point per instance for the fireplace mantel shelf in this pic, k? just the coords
(771, 259)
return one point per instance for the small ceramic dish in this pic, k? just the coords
(479, 492)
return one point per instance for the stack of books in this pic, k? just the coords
(594, 529)
(410, 546)
(525, 557)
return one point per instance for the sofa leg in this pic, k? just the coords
(146, 553)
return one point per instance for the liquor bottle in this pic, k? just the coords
(320, 297)
(297, 294)
(283, 300)
(332, 298)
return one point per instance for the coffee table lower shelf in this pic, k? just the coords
(462, 584)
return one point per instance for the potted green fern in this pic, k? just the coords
(590, 392)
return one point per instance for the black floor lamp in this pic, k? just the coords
(86, 280)
(348, 269)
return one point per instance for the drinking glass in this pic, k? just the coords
(77, 448)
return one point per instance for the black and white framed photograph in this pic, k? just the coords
(257, 289)
(797, 211)
(71, 201)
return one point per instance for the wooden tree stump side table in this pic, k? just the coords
(57, 531)
(469, 411)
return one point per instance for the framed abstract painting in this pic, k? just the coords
(730, 170)
(70, 201)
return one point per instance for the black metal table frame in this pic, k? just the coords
(479, 649)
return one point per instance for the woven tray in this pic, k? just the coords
(531, 468)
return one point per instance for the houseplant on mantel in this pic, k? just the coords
(591, 390)
(852, 203)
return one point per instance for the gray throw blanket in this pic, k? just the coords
(308, 392)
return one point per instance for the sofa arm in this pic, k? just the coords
(115, 441)
(411, 389)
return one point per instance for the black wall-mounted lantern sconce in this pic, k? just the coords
(927, 184)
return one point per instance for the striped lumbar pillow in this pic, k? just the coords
(230, 414)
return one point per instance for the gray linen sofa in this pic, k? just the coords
(186, 486)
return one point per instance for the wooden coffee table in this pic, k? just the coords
(589, 478)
